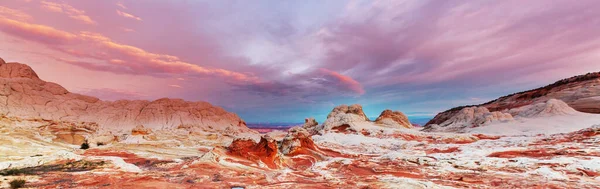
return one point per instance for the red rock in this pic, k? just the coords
(265, 150)
(297, 141)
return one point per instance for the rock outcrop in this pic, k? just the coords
(345, 118)
(297, 141)
(582, 93)
(469, 117)
(395, 119)
(265, 151)
(23, 94)
(552, 107)
(311, 125)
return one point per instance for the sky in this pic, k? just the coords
(283, 61)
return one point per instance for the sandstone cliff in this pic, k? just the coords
(580, 92)
(24, 95)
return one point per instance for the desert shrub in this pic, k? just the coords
(18, 183)
(99, 144)
(85, 146)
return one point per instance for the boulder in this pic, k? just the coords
(395, 119)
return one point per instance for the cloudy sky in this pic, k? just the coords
(282, 61)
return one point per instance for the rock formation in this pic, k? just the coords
(345, 118)
(395, 119)
(582, 93)
(297, 141)
(551, 107)
(264, 151)
(311, 125)
(469, 117)
(23, 94)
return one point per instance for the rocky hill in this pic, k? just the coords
(24, 95)
(580, 92)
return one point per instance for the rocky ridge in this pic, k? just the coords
(24, 95)
(582, 93)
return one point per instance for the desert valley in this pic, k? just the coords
(543, 138)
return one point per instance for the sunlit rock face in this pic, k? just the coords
(23, 94)
(395, 119)
(344, 118)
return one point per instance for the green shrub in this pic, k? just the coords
(18, 183)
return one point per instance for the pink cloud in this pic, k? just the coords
(121, 58)
(344, 82)
(69, 10)
(14, 14)
(38, 33)
(127, 15)
(120, 4)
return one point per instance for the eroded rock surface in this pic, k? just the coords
(395, 119)
(23, 94)
(470, 117)
(345, 118)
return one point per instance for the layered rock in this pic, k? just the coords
(141, 130)
(24, 95)
(265, 151)
(581, 92)
(395, 119)
(297, 141)
(345, 118)
(72, 133)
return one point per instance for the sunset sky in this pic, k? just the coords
(282, 61)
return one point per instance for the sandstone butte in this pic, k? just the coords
(24, 95)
